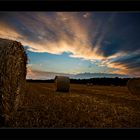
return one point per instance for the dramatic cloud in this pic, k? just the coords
(111, 38)
(52, 32)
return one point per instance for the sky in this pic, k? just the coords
(76, 42)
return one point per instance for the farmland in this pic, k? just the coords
(83, 107)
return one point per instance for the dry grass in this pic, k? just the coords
(83, 107)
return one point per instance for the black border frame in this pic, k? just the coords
(70, 134)
(69, 5)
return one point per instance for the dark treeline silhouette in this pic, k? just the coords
(93, 81)
(102, 81)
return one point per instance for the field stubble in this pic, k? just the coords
(83, 107)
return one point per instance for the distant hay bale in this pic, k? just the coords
(89, 84)
(13, 61)
(134, 86)
(62, 83)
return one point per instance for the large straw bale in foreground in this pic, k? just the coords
(13, 61)
(134, 86)
(62, 83)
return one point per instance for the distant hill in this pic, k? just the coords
(51, 75)
(98, 75)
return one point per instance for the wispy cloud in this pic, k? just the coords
(37, 74)
(129, 64)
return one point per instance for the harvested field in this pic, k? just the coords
(83, 107)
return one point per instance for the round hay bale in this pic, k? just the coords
(13, 60)
(89, 84)
(62, 83)
(133, 86)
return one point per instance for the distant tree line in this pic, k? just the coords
(93, 81)
(102, 81)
